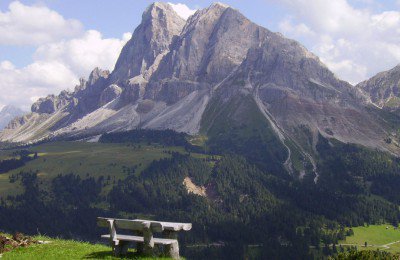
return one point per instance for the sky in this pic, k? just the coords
(47, 45)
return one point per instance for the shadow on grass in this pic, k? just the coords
(108, 255)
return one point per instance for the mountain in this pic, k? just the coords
(8, 113)
(220, 75)
(384, 89)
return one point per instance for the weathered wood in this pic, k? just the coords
(148, 241)
(173, 226)
(128, 224)
(144, 235)
(161, 241)
(172, 250)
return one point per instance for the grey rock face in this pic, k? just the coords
(110, 93)
(51, 103)
(384, 88)
(160, 23)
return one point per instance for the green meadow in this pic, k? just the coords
(383, 237)
(112, 161)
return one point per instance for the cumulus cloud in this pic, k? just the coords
(57, 66)
(354, 43)
(34, 25)
(64, 53)
(182, 10)
(82, 54)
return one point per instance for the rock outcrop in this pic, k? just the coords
(150, 41)
(384, 89)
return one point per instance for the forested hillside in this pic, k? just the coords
(244, 204)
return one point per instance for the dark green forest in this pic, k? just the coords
(246, 203)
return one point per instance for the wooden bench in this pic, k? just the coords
(143, 238)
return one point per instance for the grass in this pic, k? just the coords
(66, 249)
(376, 236)
(85, 159)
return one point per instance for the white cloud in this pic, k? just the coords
(81, 55)
(33, 25)
(182, 10)
(354, 43)
(64, 53)
(57, 66)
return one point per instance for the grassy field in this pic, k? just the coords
(66, 249)
(377, 237)
(85, 159)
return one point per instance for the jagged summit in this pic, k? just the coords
(160, 23)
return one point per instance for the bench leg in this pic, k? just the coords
(173, 249)
(148, 247)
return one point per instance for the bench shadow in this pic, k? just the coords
(108, 255)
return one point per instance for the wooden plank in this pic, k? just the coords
(129, 224)
(162, 241)
(172, 226)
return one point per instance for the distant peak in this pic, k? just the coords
(10, 109)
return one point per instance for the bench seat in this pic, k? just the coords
(162, 241)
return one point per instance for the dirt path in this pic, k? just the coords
(387, 246)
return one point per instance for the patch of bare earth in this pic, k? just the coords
(193, 188)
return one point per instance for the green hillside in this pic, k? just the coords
(85, 160)
(246, 207)
(67, 249)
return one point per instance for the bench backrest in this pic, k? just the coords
(136, 225)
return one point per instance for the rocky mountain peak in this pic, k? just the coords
(97, 74)
(151, 39)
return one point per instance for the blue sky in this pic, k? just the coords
(46, 45)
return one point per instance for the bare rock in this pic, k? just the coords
(109, 94)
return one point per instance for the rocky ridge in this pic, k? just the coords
(384, 89)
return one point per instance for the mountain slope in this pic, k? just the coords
(8, 113)
(383, 88)
(184, 76)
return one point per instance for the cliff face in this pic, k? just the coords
(383, 89)
(181, 75)
(150, 41)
